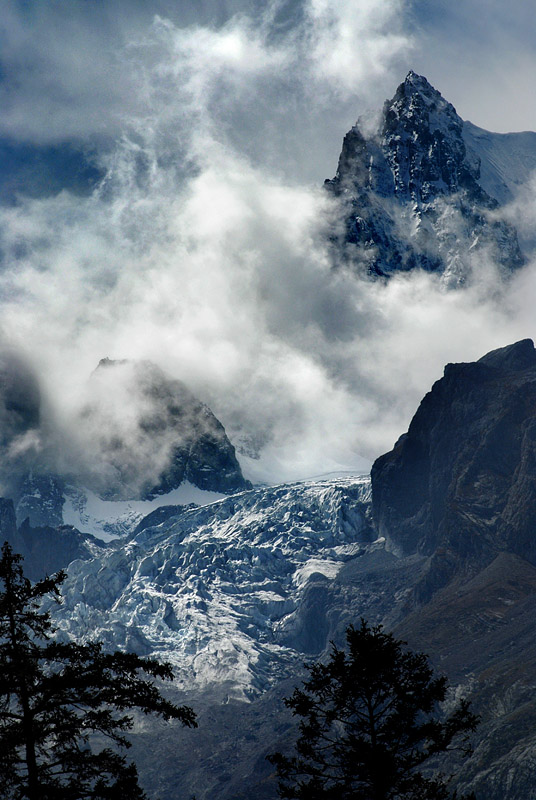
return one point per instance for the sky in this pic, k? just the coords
(210, 127)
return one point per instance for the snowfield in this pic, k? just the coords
(109, 519)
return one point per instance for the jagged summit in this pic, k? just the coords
(167, 437)
(415, 90)
(422, 137)
(418, 84)
(413, 79)
(411, 194)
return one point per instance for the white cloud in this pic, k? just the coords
(204, 250)
(352, 41)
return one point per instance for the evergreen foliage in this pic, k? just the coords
(58, 699)
(369, 722)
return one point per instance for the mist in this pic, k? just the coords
(204, 247)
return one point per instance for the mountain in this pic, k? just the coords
(463, 477)
(437, 546)
(424, 190)
(171, 553)
(458, 489)
(167, 436)
(141, 440)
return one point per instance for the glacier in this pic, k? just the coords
(110, 519)
(212, 589)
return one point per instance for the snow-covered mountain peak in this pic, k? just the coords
(412, 197)
(417, 92)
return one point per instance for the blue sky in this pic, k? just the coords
(482, 55)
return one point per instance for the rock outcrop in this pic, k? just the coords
(45, 550)
(168, 436)
(140, 434)
(462, 480)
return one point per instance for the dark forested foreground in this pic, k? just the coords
(370, 724)
(54, 696)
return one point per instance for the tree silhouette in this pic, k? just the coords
(61, 702)
(369, 723)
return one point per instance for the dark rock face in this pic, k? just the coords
(170, 436)
(8, 522)
(481, 634)
(20, 417)
(159, 515)
(411, 195)
(45, 549)
(462, 481)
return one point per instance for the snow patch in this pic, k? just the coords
(316, 565)
(507, 160)
(110, 519)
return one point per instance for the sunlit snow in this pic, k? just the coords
(216, 590)
(108, 519)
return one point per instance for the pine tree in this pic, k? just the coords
(57, 699)
(369, 722)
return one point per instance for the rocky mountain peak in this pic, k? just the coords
(167, 437)
(421, 136)
(416, 99)
(139, 434)
(411, 195)
(415, 86)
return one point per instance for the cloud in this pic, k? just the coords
(280, 80)
(351, 42)
(204, 248)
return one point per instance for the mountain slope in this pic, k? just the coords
(463, 478)
(507, 160)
